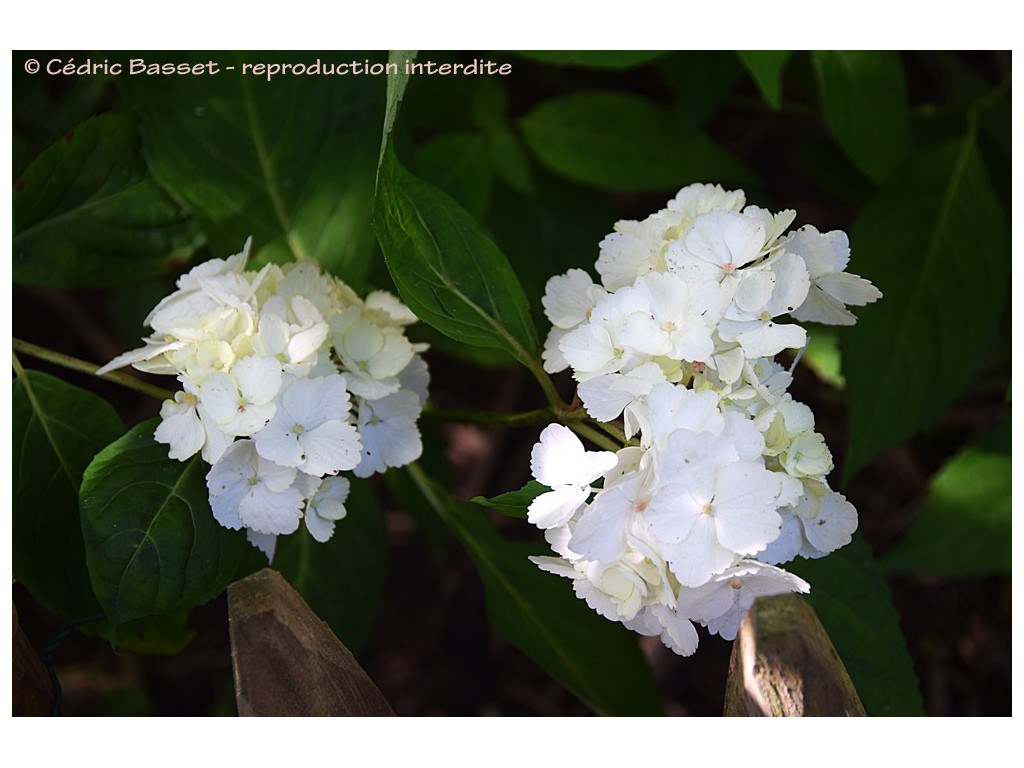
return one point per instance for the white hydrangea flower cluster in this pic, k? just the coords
(288, 379)
(723, 477)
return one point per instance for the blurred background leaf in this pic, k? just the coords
(596, 59)
(766, 69)
(935, 242)
(626, 142)
(864, 95)
(963, 526)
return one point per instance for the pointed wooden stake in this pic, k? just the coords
(287, 662)
(783, 665)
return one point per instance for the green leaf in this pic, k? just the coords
(864, 95)
(289, 161)
(593, 59)
(765, 67)
(152, 544)
(56, 428)
(341, 579)
(537, 612)
(936, 243)
(448, 272)
(625, 142)
(852, 599)
(513, 503)
(396, 84)
(86, 213)
(963, 526)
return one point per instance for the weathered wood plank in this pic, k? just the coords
(784, 665)
(286, 660)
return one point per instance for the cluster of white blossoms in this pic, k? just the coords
(723, 476)
(288, 378)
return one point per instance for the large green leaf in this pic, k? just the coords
(963, 527)
(538, 613)
(87, 214)
(851, 597)
(864, 95)
(56, 428)
(766, 69)
(448, 272)
(342, 579)
(152, 543)
(288, 159)
(626, 142)
(936, 244)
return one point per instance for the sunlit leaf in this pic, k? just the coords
(850, 595)
(538, 613)
(86, 213)
(823, 357)
(624, 141)
(963, 526)
(864, 94)
(152, 543)
(936, 243)
(57, 428)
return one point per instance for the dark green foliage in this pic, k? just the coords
(152, 544)
(87, 213)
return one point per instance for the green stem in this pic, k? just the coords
(594, 436)
(546, 384)
(491, 419)
(83, 366)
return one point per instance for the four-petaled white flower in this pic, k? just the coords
(560, 462)
(310, 428)
(249, 491)
(242, 402)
